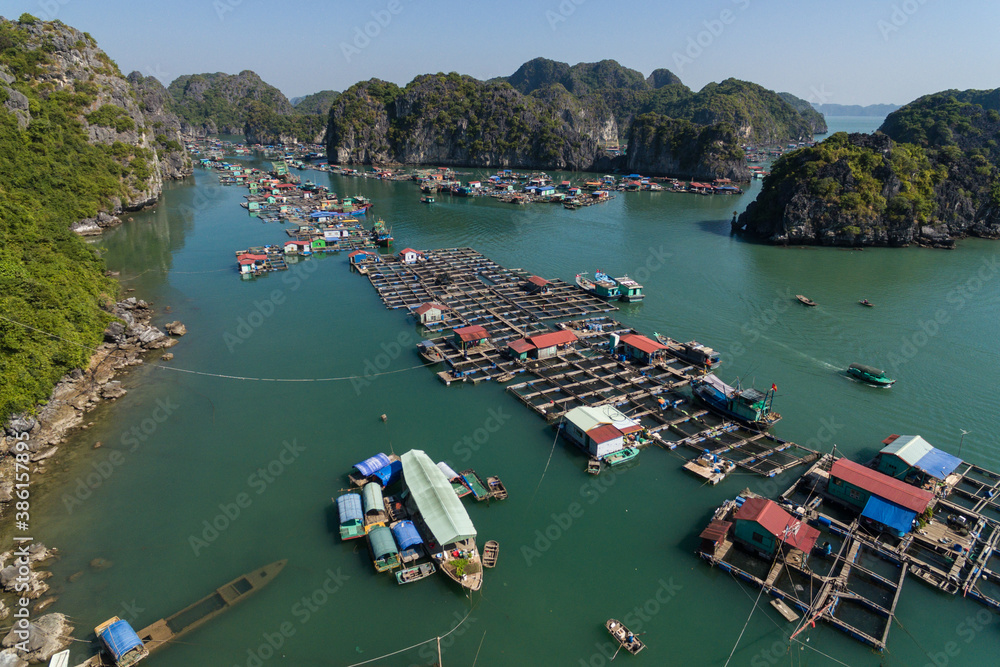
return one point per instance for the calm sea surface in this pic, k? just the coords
(575, 549)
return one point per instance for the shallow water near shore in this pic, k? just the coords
(215, 476)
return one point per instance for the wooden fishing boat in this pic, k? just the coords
(427, 200)
(866, 303)
(174, 627)
(594, 466)
(506, 377)
(691, 352)
(621, 456)
(747, 406)
(430, 352)
(870, 375)
(623, 636)
(497, 489)
(602, 286)
(630, 290)
(491, 552)
(475, 484)
(806, 301)
(416, 573)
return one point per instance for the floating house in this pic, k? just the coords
(373, 505)
(352, 525)
(466, 338)
(251, 263)
(300, 247)
(409, 256)
(410, 543)
(520, 349)
(548, 344)
(641, 349)
(600, 431)
(536, 285)
(432, 496)
(385, 554)
(882, 499)
(430, 312)
(359, 257)
(914, 460)
(762, 525)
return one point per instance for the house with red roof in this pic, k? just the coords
(250, 262)
(430, 312)
(882, 499)
(520, 349)
(641, 349)
(409, 255)
(762, 525)
(548, 344)
(466, 338)
(298, 246)
(536, 285)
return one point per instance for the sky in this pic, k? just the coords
(843, 52)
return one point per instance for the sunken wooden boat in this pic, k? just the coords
(172, 628)
(805, 301)
(497, 489)
(623, 636)
(491, 552)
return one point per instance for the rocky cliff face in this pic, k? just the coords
(930, 178)
(452, 120)
(658, 145)
(68, 62)
(216, 103)
(155, 104)
(815, 119)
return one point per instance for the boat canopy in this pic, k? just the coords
(372, 493)
(718, 385)
(349, 507)
(382, 542)
(120, 638)
(898, 518)
(389, 474)
(406, 534)
(435, 499)
(370, 465)
(447, 470)
(870, 370)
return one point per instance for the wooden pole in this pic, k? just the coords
(440, 664)
(616, 652)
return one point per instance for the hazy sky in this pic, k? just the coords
(847, 52)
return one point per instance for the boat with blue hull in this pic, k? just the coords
(602, 286)
(749, 407)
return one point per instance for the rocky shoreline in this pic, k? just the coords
(126, 341)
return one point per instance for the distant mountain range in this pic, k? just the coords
(550, 114)
(881, 110)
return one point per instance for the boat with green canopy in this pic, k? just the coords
(385, 553)
(870, 374)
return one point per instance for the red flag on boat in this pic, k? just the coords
(774, 387)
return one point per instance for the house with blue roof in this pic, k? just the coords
(914, 460)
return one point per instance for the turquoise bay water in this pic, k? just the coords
(575, 550)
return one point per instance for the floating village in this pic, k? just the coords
(836, 546)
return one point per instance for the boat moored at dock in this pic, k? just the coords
(491, 552)
(497, 489)
(352, 524)
(629, 290)
(602, 286)
(415, 573)
(750, 407)
(692, 352)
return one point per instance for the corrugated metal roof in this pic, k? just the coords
(883, 486)
(428, 306)
(440, 508)
(475, 332)
(604, 433)
(779, 523)
(382, 543)
(561, 337)
(349, 507)
(910, 448)
(716, 530)
(521, 345)
(642, 343)
(536, 280)
(585, 417)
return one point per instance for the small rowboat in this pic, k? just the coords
(415, 573)
(491, 552)
(497, 489)
(623, 636)
(866, 302)
(806, 301)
